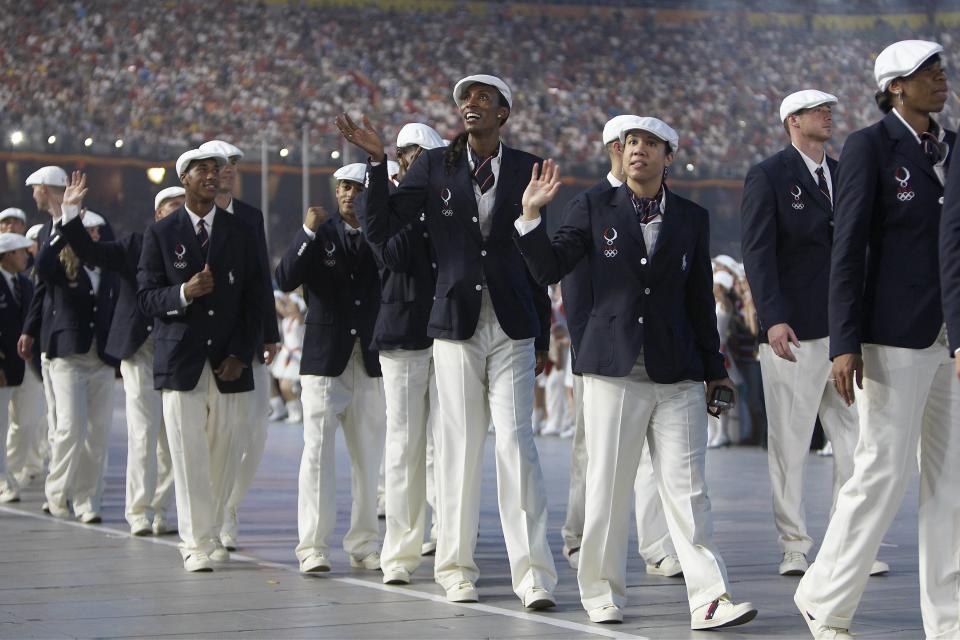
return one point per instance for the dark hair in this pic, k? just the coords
(451, 155)
(884, 100)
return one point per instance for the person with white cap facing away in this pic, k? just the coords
(648, 349)
(653, 538)
(720, 428)
(787, 235)
(339, 374)
(149, 474)
(82, 298)
(253, 436)
(491, 328)
(13, 220)
(16, 291)
(887, 337)
(197, 281)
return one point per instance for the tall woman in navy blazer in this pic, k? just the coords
(649, 344)
(886, 330)
(488, 319)
(82, 374)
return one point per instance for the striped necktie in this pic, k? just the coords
(203, 237)
(483, 171)
(822, 184)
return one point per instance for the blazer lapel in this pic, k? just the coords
(220, 235)
(906, 145)
(187, 238)
(461, 186)
(805, 179)
(670, 219)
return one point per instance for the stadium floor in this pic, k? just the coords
(62, 579)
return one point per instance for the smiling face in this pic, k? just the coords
(201, 180)
(645, 156)
(347, 192)
(483, 108)
(925, 90)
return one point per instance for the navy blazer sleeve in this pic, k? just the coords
(107, 254)
(156, 297)
(48, 261)
(382, 229)
(294, 265)
(950, 254)
(243, 342)
(855, 205)
(271, 332)
(758, 224)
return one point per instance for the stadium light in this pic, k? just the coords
(335, 154)
(118, 144)
(88, 142)
(51, 139)
(284, 152)
(16, 137)
(156, 174)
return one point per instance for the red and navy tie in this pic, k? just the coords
(203, 237)
(483, 172)
(822, 184)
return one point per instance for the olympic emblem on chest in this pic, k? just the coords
(329, 248)
(446, 196)
(796, 192)
(179, 252)
(905, 192)
(609, 237)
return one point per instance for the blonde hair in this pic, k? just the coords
(70, 262)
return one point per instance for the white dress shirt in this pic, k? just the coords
(812, 167)
(486, 200)
(940, 168)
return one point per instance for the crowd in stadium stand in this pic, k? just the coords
(166, 76)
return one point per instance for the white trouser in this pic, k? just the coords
(489, 376)
(254, 409)
(27, 444)
(50, 399)
(909, 396)
(795, 392)
(149, 472)
(621, 414)
(652, 535)
(407, 382)
(202, 430)
(7, 481)
(83, 387)
(555, 400)
(354, 401)
(433, 425)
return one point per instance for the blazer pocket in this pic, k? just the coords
(598, 339)
(441, 315)
(172, 331)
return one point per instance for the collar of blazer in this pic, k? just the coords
(791, 158)
(906, 145)
(627, 217)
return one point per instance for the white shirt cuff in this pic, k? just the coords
(70, 211)
(184, 303)
(310, 234)
(524, 227)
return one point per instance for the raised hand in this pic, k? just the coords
(541, 189)
(315, 217)
(76, 190)
(365, 137)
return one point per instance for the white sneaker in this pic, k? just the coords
(573, 559)
(827, 450)
(197, 562)
(566, 434)
(397, 575)
(794, 563)
(316, 562)
(229, 542)
(462, 592)
(141, 527)
(277, 411)
(607, 614)
(90, 517)
(550, 430)
(879, 568)
(161, 526)
(538, 598)
(371, 561)
(668, 567)
(8, 495)
(381, 507)
(722, 612)
(817, 630)
(428, 548)
(220, 554)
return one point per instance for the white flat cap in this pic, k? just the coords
(460, 89)
(901, 59)
(13, 241)
(221, 146)
(655, 126)
(13, 212)
(34, 232)
(196, 154)
(49, 175)
(806, 99)
(611, 130)
(393, 168)
(355, 172)
(92, 219)
(417, 133)
(724, 279)
(166, 194)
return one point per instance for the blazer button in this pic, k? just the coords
(643, 261)
(210, 313)
(356, 302)
(426, 235)
(641, 320)
(91, 325)
(353, 332)
(940, 200)
(209, 342)
(483, 252)
(433, 264)
(149, 327)
(479, 288)
(475, 219)
(94, 308)
(647, 291)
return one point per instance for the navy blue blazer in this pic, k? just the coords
(270, 330)
(40, 305)
(342, 290)
(407, 274)
(464, 259)
(78, 316)
(884, 273)
(661, 305)
(12, 315)
(786, 236)
(130, 327)
(950, 255)
(211, 328)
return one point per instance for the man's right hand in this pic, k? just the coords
(780, 336)
(315, 217)
(847, 368)
(25, 347)
(365, 137)
(200, 284)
